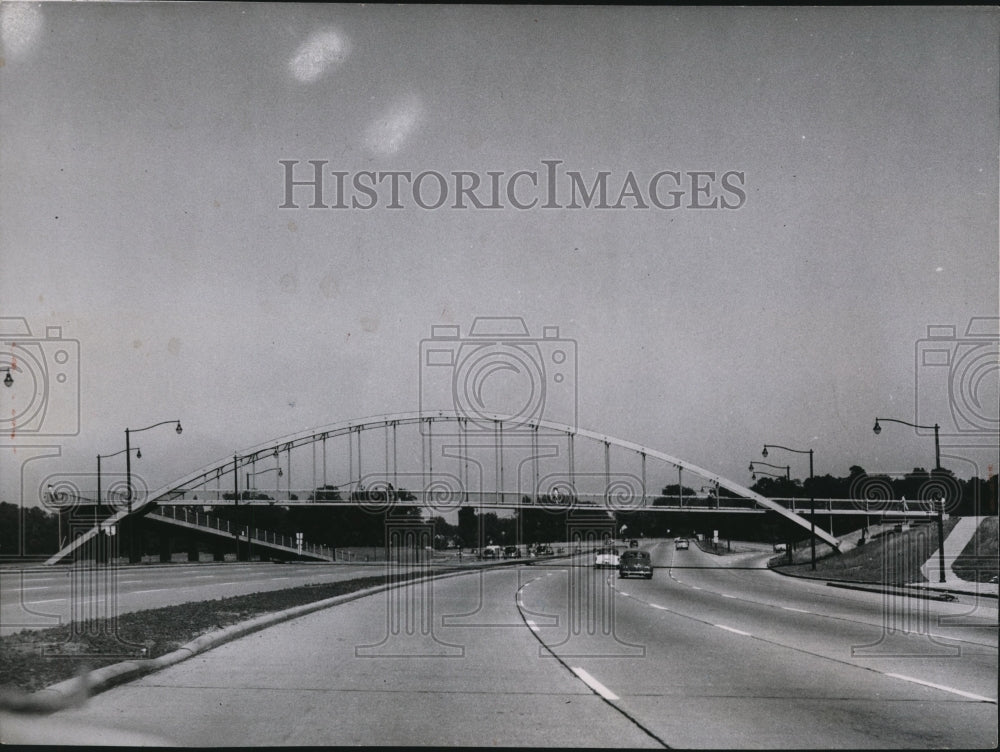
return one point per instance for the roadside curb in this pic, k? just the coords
(931, 588)
(888, 590)
(875, 587)
(65, 693)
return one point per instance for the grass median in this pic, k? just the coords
(35, 658)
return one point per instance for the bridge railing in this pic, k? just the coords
(201, 519)
(436, 502)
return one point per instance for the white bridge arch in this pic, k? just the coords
(463, 440)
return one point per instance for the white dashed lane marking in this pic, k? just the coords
(734, 631)
(943, 688)
(595, 685)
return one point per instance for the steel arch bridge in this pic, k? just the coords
(487, 461)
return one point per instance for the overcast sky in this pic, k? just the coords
(141, 188)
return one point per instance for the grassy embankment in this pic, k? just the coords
(895, 558)
(979, 560)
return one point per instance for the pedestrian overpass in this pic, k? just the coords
(444, 461)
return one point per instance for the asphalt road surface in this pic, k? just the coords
(44, 596)
(561, 654)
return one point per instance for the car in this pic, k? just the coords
(491, 552)
(543, 549)
(606, 558)
(634, 543)
(681, 544)
(635, 564)
(512, 552)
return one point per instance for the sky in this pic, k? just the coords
(846, 160)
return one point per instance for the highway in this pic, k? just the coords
(40, 597)
(561, 654)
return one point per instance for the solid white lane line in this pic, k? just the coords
(154, 590)
(796, 610)
(943, 688)
(734, 631)
(48, 600)
(26, 589)
(532, 626)
(595, 685)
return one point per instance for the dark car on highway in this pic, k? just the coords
(635, 564)
(512, 552)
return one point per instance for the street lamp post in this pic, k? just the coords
(937, 466)
(251, 476)
(138, 455)
(812, 493)
(937, 439)
(128, 477)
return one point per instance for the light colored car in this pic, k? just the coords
(606, 558)
(681, 544)
(635, 564)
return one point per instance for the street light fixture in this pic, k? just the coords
(937, 466)
(250, 476)
(128, 476)
(937, 440)
(255, 473)
(812, 493)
